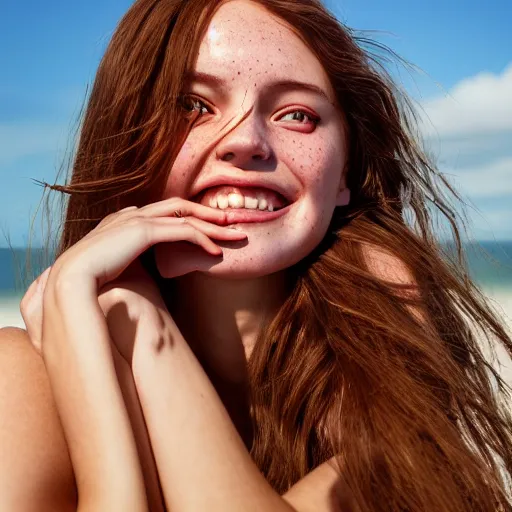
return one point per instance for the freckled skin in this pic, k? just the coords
(307, 160)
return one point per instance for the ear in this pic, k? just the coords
(343, 197)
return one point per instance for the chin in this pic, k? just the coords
(236, 266)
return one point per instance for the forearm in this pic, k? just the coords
(77, 354)
(202, 461)
(117, 327)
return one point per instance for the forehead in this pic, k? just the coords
(244, 39)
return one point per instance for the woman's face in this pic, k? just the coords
(262, 136)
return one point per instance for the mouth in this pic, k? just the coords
(244, 204)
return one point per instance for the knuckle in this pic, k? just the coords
(142, 228)
(116, 215)
(134, 224)
(106, 219)
(24, 306)
(198, 236)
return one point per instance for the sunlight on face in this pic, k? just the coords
(257, 124)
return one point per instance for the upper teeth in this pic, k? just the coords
(233, 200)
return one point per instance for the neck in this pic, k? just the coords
(221, 320)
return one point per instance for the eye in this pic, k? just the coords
(302, 117)
(192, 104)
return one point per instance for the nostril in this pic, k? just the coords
(257, 157)
(228, 157)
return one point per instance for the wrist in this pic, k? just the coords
(67, 284)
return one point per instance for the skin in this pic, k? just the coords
(248, 130)
(181, 368)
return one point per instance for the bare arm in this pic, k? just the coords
(35, 469)
(77, 354)
(202, 461)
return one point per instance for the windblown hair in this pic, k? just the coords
(389, 378)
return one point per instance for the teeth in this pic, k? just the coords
(222, 201)
(262, 203)
(236, 201)
(233, 200)
(251, 203)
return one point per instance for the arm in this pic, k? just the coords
(202, 462)
(89, 399)
(69, 327)
(35, 468)
(214, 469)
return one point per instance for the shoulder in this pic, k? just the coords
(35, 468)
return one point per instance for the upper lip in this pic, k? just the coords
(237, 181)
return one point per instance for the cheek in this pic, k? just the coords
(181, 172)
(317, 161)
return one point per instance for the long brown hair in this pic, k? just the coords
(407, 402)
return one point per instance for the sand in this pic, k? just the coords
(10, 314)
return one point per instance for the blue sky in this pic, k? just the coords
(50, 51)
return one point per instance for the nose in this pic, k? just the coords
(245, 144)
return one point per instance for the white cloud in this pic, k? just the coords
(476, 105)
(487, 180)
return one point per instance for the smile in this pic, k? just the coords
(244, 204)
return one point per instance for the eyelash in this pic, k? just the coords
(312, 119)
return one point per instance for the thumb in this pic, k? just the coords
(31, 309)
(179, 258)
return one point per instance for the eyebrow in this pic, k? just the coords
(208, 79)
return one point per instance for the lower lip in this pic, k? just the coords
(242, 216)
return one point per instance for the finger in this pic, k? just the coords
(132, 237)
(43, 279)
(210, 229)
(31, 308)
(180, 258)
(185, 230)
(214, 231)
(168, 207)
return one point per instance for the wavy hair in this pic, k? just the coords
(390, 379)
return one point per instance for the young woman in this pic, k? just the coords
(248, 310)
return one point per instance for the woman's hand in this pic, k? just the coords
(185, 228)
(70, 290)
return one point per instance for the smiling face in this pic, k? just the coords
(271, 143)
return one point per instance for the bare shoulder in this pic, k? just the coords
(35, 468)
